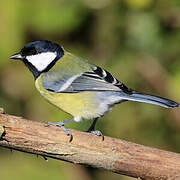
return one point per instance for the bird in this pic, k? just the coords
(76, 86)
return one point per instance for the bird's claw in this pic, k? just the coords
(68, 132)
(97, 133)
(71, 137)
(61, 124)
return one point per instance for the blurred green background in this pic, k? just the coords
(138, 41)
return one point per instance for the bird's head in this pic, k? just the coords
(39, 56)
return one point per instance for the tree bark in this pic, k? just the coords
(112, 154)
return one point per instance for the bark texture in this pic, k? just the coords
(111, 154)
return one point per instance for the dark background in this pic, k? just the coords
(138, 41)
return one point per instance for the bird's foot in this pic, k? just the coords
(96, 132)
(61, 124)
(93, 131)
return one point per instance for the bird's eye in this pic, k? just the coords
(28, 51)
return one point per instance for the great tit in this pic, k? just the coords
(76, 86)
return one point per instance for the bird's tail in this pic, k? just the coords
(136, 96)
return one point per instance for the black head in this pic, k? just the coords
(39, 56)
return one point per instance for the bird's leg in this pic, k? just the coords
(92, 129)
(61, 124)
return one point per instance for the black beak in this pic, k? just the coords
(16, 56)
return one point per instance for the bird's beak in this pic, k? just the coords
(16, 56)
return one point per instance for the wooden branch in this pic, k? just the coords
(111, 154)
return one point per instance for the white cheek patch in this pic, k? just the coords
(42, 60)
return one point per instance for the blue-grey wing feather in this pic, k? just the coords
(53, 82)
(84, 83)
(96, 80)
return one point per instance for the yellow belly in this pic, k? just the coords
(82, 104)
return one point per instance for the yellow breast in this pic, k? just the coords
(82, 104)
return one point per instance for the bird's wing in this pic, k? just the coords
(96, 80)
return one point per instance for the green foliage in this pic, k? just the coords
(136, 40)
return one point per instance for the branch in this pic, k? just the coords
(111, 154)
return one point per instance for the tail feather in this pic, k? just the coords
(167, 103)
